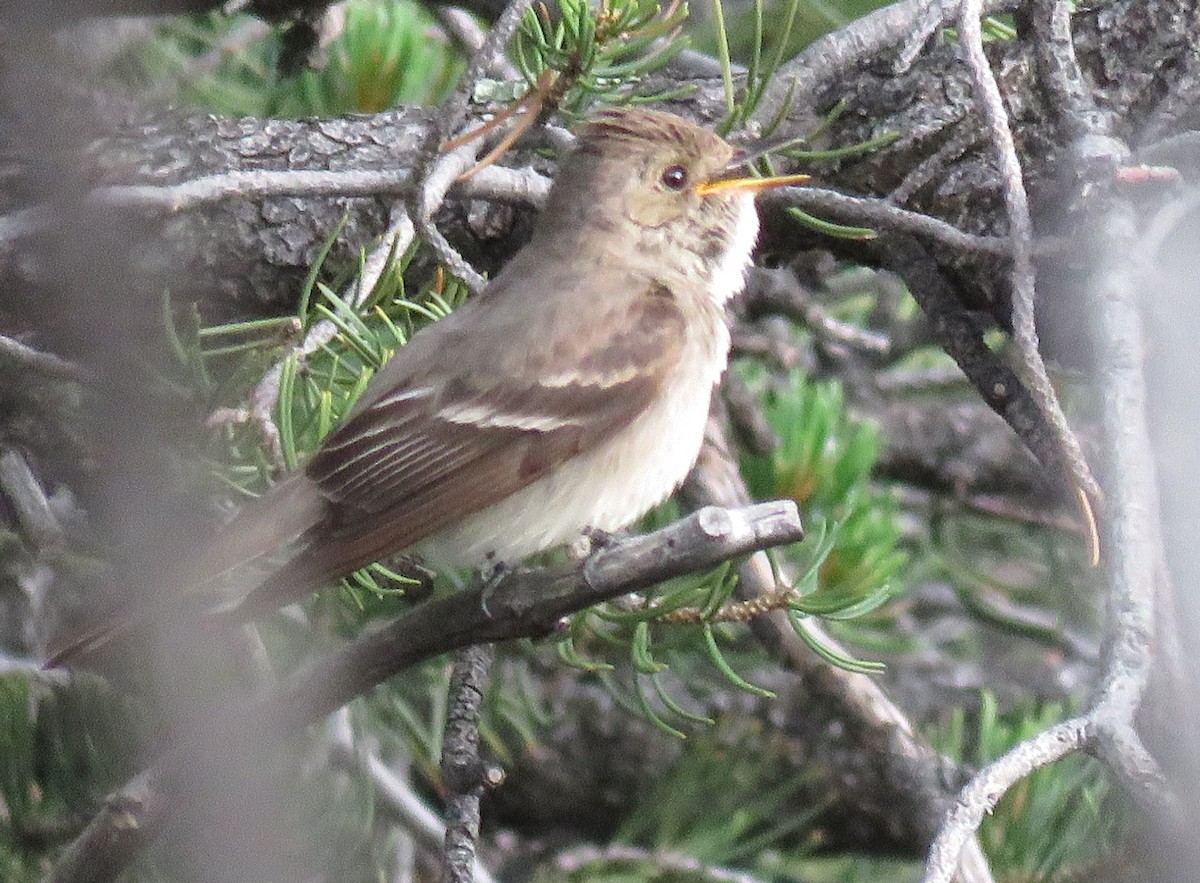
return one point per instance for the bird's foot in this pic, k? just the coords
(592, 539)
(492, 575)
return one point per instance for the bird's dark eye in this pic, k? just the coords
(675, 177)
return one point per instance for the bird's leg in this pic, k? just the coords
(491, 575)
(593, 539)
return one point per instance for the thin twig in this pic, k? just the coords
(747, 416)
(907, 381)
(779, 291)
(667, 863)
(932, 168)
(987, 786)
(257, 184)
(45, 363)
(393, 795)
(929, 18)
(462, 28)
(962, 338)
(519, 186)
(463, 770)
(444, 171)
(772, 342)
(197, 192)
(433, 168)
(883, 215)
(24, 493)
(34, 671)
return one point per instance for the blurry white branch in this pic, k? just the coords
(1130, 519)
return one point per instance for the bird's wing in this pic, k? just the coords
(427, 445)
(433, 445)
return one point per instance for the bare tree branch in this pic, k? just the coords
(463, 770)
(46, 363)
(1131, 529)
(987, 786)
(392, 794)
(882, 214)
(1016, 203)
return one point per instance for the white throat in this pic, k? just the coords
(729, 276)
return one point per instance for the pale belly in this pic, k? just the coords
(605, 489)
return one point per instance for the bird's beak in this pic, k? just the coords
(749, 185)
(742, 159)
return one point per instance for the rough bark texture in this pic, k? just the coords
(247, 255)
(252, 255)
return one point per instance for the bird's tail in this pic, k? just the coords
(278, 517)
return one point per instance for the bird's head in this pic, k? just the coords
(663, 167)
(665, 185)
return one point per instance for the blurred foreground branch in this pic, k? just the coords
(527, 604)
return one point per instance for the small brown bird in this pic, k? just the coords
(571, 394)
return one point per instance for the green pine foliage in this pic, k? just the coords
(723, 804)
(387, 53)
(806, 19)
(824, 461)
(598, 53)
(62, 747)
